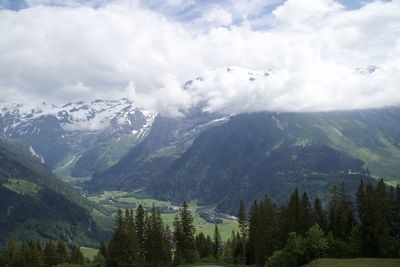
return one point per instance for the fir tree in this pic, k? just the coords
(319, 214)
(242, 220)
(62, 252)
(140, 219)
(76, 255)
(184, 236)
(217, 244)
(50, 254)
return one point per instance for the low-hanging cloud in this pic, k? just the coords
(306, 56)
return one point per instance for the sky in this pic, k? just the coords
(305, 55)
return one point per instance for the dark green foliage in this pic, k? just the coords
(103, 249)
(319, 214)
(50, 210)
(341, 213)
(375, 208)
(50, 254)
(140, 227)
(298, 250)
(263, 231)
(242, 220)
(123, 249)
(217, 244)
(62, 252)
(184, 236)
(76, 255)
(204, 246)
(157, 242)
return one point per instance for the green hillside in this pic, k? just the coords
(35, 204)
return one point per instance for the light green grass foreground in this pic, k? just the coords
(355, 263)
(89, 252)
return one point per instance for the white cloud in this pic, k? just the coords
(122, 49)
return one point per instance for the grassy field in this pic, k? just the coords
(112, 200)
(355, 263)
(21, 186)
(89, 252)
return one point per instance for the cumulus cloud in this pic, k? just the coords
(310, 49)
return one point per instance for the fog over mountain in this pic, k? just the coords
(319, 55)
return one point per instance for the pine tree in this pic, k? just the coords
(116, 256)
(250, 244)
(242, 220)
(306, 214)
(184, 236)
(103, 249)
(50, 255)
(76, 255)
(157, 249)
(267, 231)
(132, 252)
(140, 219)
(319, 214)
(239, 253)
(217, 245)
(341, 214)
(10, 253)
(202, 246)
(62, 252)
(293, 220)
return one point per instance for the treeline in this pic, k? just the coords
(36, 254)
(364, 225)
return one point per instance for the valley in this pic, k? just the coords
(113, 200)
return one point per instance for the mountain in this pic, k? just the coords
(77, 138)
(34, 204)
(249, 155)
(166, 141)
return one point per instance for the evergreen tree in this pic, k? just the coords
(242, 219)
(306, 214)
(184, 236)
(267, 231)
(319, 214)
(250, 244)
(157, 250)
(202, 246)
(132, 252)
(103, 249)
(293, 214)
(217, 245)
(62, 252)
(76, 255)
(341, 214)
(10, 253)
(140, 226)
(50, 254)
(238, 252)
(119, 254)
(374, 214)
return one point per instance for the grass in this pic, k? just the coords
(89, 252)
(355, 263)
(22, 187)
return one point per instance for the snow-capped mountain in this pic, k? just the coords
(61, 136)
(81, 116)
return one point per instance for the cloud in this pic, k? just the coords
(123, 48)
